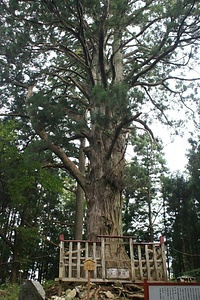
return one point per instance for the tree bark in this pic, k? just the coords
(80, 196)
(15, 262)
(15, 269)
(104, 188)
(105, 153)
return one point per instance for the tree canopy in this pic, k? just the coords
(96, 70)
(31, 209)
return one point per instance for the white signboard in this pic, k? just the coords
(174, 292)
(117, 273)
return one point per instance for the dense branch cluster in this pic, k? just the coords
(95, 70)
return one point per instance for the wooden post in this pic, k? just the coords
(147, 262)
(146, 290)
(88, 291)
(155, 263)
(61, 263)
(70, 259)
(103, 262)
(162, 244)
(89, 265)
(78, 275)
(132, 259)
(140, 262)
(95, 259)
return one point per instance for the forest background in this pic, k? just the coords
(81, 83)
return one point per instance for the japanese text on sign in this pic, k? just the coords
(170, 292)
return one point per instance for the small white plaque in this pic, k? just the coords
(117, 273)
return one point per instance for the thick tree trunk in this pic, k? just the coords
(106, 150)
(104, 190)
(104, 198)
(104, 213)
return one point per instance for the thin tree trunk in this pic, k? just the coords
(15, 266)
(80, 196)
(150, 225)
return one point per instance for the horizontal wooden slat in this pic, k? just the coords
(147, 260)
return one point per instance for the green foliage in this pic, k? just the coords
(114, 96)
(143, 186)
(21, 172)
(110, 104)
(30, 205)
(194, 273)
(44, 110)
(27, 236)
(182, 224)
(9, 291)
(66, 86)
(93, 69)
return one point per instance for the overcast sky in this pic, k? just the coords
(175, 154)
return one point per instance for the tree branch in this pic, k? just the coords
(146, 127)
(117, 132)
(74, 81)
(54, 166)
(156, 105)
(102, 43)
(6, 240)
(14, 115)
(68, 164)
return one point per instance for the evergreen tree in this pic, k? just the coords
(92, 69)
(182, 224)
(143, 205)
(193, 168)
(181, 220)
(31, 214)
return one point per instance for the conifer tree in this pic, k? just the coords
(143, 205)
(94, 69)
(182, 224)
(31, 213)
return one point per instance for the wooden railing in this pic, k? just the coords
(142, 260)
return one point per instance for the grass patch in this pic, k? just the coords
(194, 273)
(9, 291)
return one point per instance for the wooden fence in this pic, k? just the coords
(142, 260)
